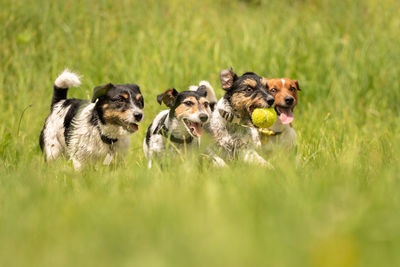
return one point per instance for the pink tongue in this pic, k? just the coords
(197, 131)
(286, 116)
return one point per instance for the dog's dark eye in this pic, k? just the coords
(119, 98)
(206, 104)
(292, 89)
(188, 103)
(273, 90)
(249, 89)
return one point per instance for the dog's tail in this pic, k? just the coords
(62, 83)
(210, 93)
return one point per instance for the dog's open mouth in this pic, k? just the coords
(131, 127)
(285, 114)
(194, 128)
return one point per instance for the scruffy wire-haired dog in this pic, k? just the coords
(181, 124)
(231, 124)
(91, 130)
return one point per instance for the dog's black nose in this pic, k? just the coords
(270, 100)
(138, 116)
(289, 100)
(203, 117)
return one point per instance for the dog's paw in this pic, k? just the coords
(252, 157)
(218, 162)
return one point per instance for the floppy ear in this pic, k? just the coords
(202, 90)
(297, 84)
(227, 78)
(100, 91)
(168, 97)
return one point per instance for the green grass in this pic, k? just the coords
(335, 203)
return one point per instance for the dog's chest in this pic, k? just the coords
(239, 131)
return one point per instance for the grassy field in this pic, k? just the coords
(335, 203)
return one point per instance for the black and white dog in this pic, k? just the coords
(181, 124)
(231, 124)
(91, 130)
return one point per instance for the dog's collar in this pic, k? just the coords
(108, 140)
(163, 130)
(268, 132)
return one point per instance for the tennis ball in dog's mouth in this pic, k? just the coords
(263, 117)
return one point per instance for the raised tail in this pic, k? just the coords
(63, 82)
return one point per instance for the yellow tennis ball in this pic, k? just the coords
(263, 117)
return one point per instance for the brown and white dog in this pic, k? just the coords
(182, 123)
(282, 134)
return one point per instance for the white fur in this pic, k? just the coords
(85, 144)
(234, 137)
(283, 82)
(210, 91)
(53, 132)
(157, 142)
(176, 127)
(67, 79)
(286, 140)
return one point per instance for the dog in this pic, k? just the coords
(87, 131)
(182, 124)
(231, 125)
(282, 133)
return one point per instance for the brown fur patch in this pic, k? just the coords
(242, 104)
(105, 106)
(114, 116)
(264, 81)
(183, 109)
(138, 96)
(125, 95)
(283, 90)
(203, 100)
(250, 82)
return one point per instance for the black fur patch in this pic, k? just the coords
(74, 104)
(148, 134)
(58, 95)
(41, 138)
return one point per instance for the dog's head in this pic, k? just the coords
(190, 107)
(285, 92)
(119, 104)
(245, 93)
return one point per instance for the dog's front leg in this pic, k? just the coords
(77, 164)
(255, 136)
(108, 159)
(251, 156)
(156, 146)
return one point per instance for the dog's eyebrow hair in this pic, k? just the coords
(125, 95)
(250, 82)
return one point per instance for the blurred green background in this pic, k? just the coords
(334, 203)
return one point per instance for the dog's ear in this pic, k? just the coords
(227, 78)
(168, 97)
(297, 84)
(202, 91)
(101, 90)
(264, 81)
